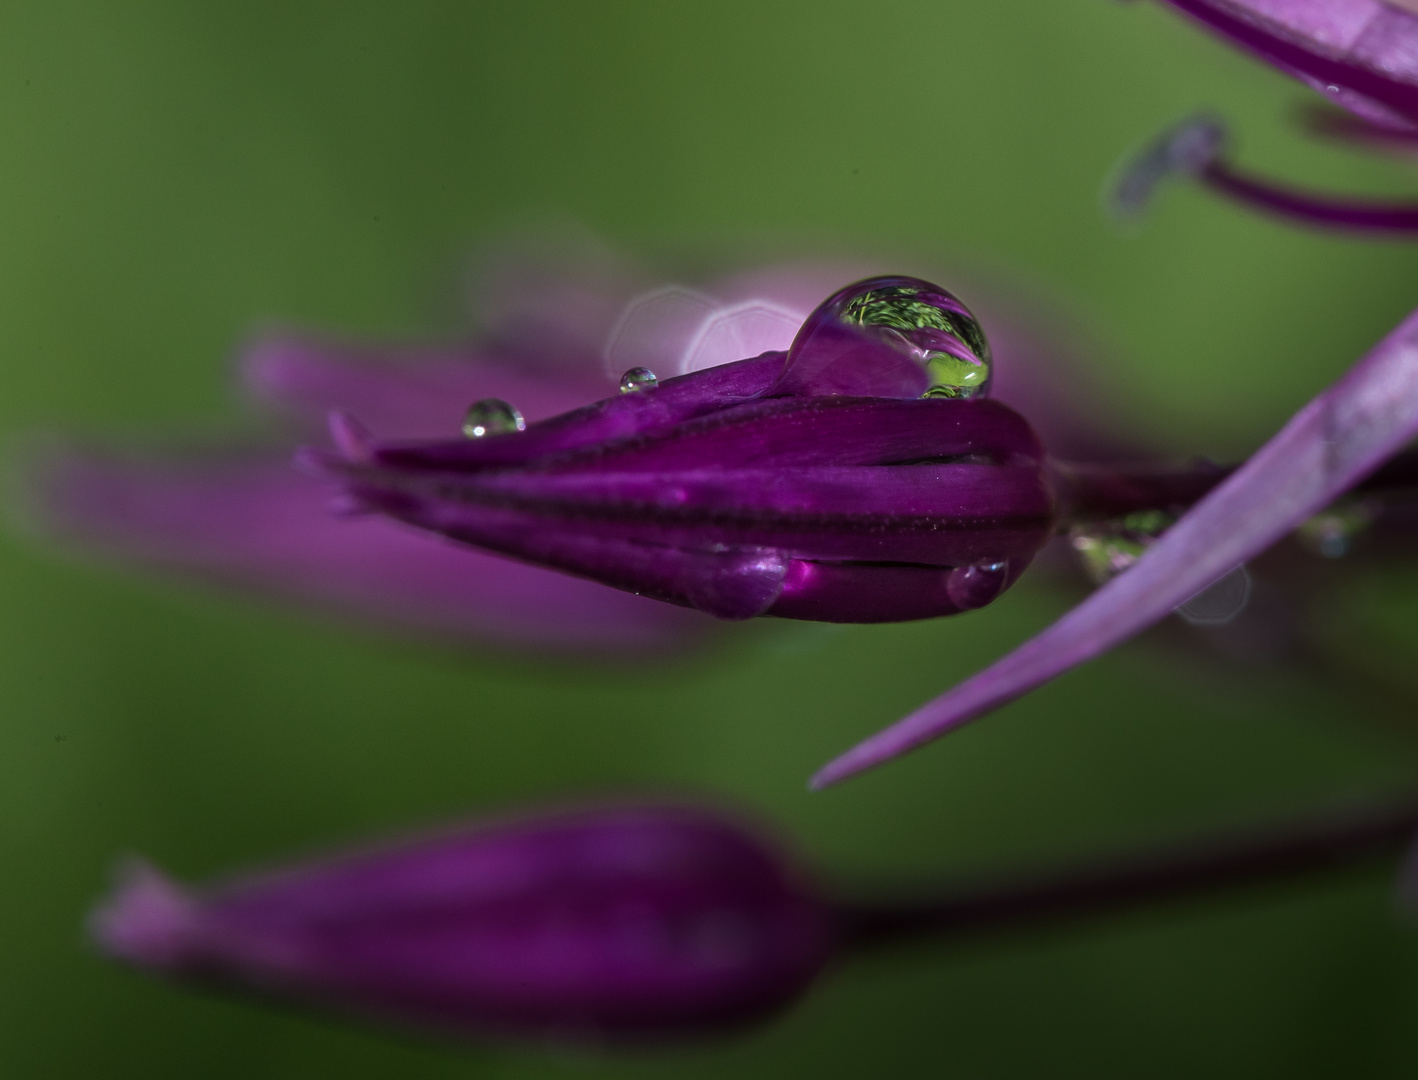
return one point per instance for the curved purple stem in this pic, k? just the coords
(1311, 208)
(1330, 445)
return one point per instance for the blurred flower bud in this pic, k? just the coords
(619, 924)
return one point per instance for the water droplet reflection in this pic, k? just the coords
(916, 322)
(491, 416)
(974, 586)
(637, 378)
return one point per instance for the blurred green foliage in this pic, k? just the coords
(178, 174)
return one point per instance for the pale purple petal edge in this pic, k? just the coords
(1329, 445)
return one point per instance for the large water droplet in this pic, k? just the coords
(637, 378)
(976, 585)
(890, 337)
(491, 416)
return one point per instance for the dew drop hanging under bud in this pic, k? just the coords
(890, 337)
(638, 378)
(491, 416)
(978, 584)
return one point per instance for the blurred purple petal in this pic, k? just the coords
(1361, 54)
(626, 923)
(1328, 446)
(259, 523)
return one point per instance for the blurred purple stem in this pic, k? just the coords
(1103, 886)
(1089, 490)
(1310, 208)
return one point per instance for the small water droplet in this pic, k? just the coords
(974, 586)
(491, 416)
(637, 378)
(919, 338)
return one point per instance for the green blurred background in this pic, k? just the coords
(174, 174)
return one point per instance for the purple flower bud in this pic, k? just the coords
(861, 477)
(621, 924)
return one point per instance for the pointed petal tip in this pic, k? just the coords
(1184, 149)
(317, 463)
(821, 780)
(146, 921)
(350, 437)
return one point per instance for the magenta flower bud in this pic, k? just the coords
(618, 924)
(863, 477)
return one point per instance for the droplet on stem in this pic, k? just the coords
(492, 416)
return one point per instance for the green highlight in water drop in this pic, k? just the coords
(930, 324)
(638, 378)
(492, 416)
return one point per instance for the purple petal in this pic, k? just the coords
(641, 413)
(941, 515)
(778, 431)
(1361, 54)
(260, 524)
(1326, 448)
(719, 511)
(622, 923)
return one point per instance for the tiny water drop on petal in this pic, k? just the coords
(492, 416)
(976, 585)
(638, 378)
